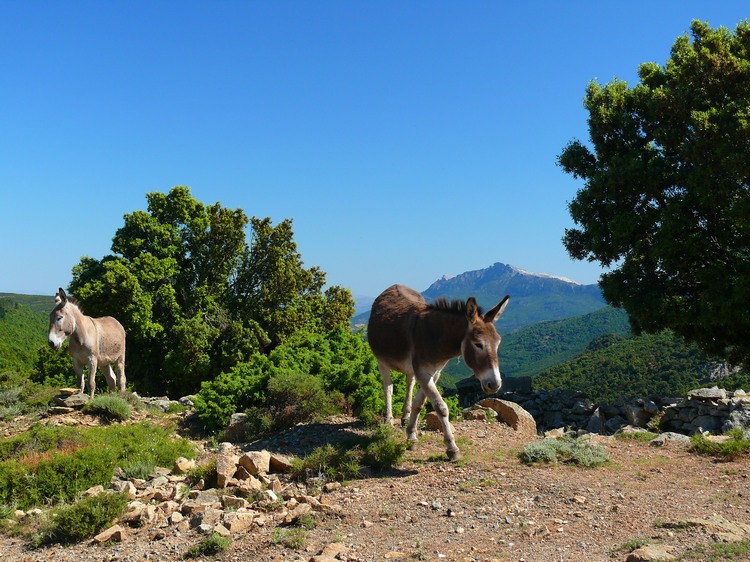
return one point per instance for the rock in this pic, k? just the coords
(256, 462)
(651, 552)
(596, 422)
(297, 513)
(226, 464)
(236, 429)
(279, 464)
(432, 422)
(236, 521)
(713, 393)
(233, 502)
(76, 401)
(478, 413)
(115, 533)
(183, 465)
(512, 414)
(669, 437)
(59, 410)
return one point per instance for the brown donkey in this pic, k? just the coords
(93, 341)
(408, 335)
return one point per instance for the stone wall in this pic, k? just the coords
(712, 410)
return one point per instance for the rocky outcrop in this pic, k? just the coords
(711, 410)
(245, 501)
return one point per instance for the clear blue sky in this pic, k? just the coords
(407, 140)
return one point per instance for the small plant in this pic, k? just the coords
(385, 450)
(209, 546)
(141, 468)
(636, 436)
(109, 406)
(729, 449)
(329, 462)
(205, 471)
(82, 520)
(290, 537)
(579, 450)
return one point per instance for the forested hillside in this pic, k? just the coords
(529, 350)
(650, 364)
(23, 331)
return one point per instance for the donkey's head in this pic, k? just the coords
(479, 346)
(62, 322)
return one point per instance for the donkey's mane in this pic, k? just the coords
(72, 301)
(455, 306)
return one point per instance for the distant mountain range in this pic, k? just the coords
(534, 297)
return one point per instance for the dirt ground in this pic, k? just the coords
(486, 507)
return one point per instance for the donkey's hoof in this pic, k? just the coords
(411, 445)
(453, 454)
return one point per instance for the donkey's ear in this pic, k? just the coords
(472, 310)
(61, 296)
(493, 315)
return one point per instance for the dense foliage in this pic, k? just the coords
(528, 351)
(666, 196)
(50, 464)
(22, 332)
(340, 361)
(650, 364)
(196, 298)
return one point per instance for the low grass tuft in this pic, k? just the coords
(580, 450)
(210, 546)
(736, 446)
(109, 406)
(82, 520)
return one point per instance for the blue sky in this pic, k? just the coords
(407, 140)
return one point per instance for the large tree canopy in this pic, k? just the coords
(196, 298)
(666, 197)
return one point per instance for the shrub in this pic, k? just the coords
(290, 537)
(386, 448)
(210, 546)
(329, 462)
(295, 397)
(579, 451)
(84, 519)
(50, 465)
(109, 406)
(730, 449)
(206, 472)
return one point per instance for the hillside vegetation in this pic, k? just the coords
(23, 331)
(528, 351)
(614, 368)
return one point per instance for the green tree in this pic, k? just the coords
(194, 297)
(666, 197)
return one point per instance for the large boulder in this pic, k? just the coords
(511, 414)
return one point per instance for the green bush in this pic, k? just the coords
(736, 446)
(210, 546)
(385, 450)
(295, 397)
(51, 465)
(329, 462)
(341, 361)
(579, 451)
(109, 406)
(82, 520)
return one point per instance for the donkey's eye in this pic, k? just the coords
(479, 345)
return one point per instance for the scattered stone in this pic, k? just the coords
(256, 462)
(651, 553)
(183, 465)
(115, 533)
(512, 414)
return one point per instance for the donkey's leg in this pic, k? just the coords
(385, 375)
(416, 407)
(78, 367)
(406, 414)
(109, 376)
(120, 367)
(432, 393)
(92, 375)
